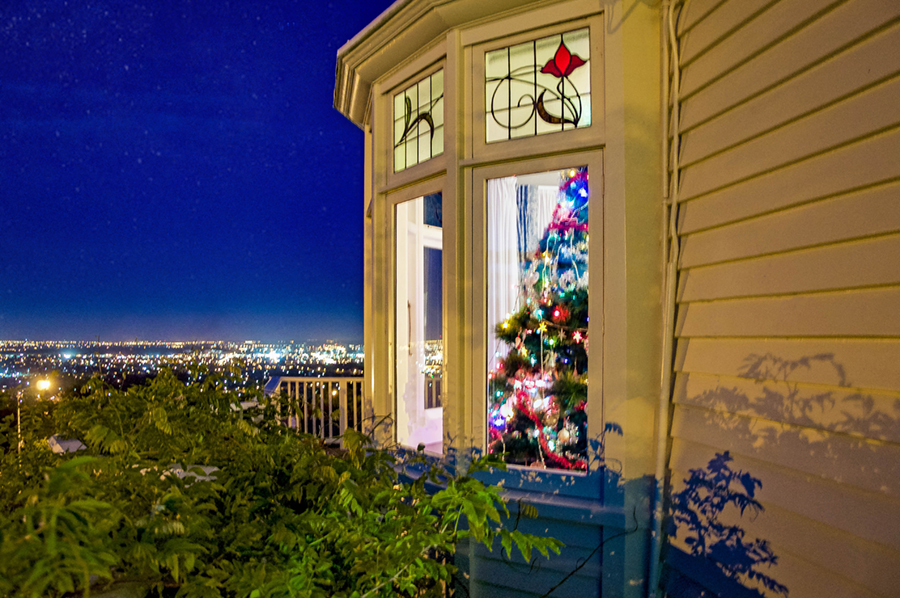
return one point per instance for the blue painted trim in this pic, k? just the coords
(570, 509)
(587, 486)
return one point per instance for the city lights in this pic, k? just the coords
(131, 362)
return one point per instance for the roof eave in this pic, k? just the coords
(386, 41)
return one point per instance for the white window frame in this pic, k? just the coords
(479, 150)
(459, 53)
(423, 65)
(392, 200)
(478, 205)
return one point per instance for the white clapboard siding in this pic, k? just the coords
(829, 267)
(848, 24)
(859, 67)
(756, 24)
(699, 9)
(819, 499)
(874, 110)
(867, 312)
(822, 549)
(787, 348)
(815, 559)
(859, 414)
(870, 465)
(861, 164)
(867, 564)
(812, 581)
(716, 26)
(869, 212)
(867, 364)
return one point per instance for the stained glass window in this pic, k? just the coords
(541, 86)
(419, 122)
(537, 316)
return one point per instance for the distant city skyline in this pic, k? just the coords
(132, 362)
(174, 169)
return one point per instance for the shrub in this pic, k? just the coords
(181, 492)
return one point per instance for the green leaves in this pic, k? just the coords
(57, 538)
(271, 513)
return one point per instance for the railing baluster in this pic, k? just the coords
(359, 406)
(305, 407)
(322, 411)
(343, 408)
(305, 395)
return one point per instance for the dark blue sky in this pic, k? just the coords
(173, 169)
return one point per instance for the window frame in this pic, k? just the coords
(392, 200)
(576, 483)
(415, 84)
(423, 65)
(458, 52)
(479, 150)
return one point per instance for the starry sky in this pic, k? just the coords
(175, 170)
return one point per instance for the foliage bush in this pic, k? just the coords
(262, 511)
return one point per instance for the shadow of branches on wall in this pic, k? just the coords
(695, 512)
(803, 422)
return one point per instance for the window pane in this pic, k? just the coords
(437, 86)
(538, 87)
(437, 144)
(418, 114)
(418, 323)
(537, 316)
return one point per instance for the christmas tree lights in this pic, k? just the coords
(538, 390)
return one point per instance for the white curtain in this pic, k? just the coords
(545, 198)
(502, 259)
(517, 218)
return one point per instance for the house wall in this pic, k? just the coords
(788, 302)
(602, 519)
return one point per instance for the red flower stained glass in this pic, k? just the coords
(514, 86)
(563, 62)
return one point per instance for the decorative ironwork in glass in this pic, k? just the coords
(541, 86)
(419, 122)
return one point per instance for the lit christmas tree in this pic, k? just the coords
(538, 391)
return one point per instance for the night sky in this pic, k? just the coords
(175, 170)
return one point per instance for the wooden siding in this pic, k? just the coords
(492, 574)
(788, 327)
(866, 213)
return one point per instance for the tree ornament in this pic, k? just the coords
(551, 417)
(545, 378)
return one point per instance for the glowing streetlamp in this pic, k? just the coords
(41, 386)
(19, 426)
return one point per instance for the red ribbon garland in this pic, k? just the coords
(568, 224)
(522, 405)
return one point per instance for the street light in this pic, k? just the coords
(19, 426)
(41, 385)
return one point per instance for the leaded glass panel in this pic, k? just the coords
(419, 122)
(537, 87)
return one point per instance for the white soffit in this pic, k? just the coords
(400, 31)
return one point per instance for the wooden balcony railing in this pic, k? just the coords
(433, 392)
(324, 407)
